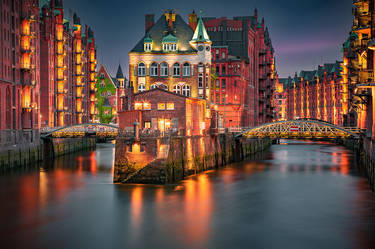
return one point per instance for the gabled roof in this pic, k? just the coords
(181, 30)
(169, 39)
(108, 76)
(200, 34)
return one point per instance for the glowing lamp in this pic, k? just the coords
(371, 44)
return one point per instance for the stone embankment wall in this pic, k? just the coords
(365, 152)
(55, 147)
(169, 160)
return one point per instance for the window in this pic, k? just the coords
(141, 69)
(223, 55)
(200, 80)
(223, 83)
(146, 106)
(235, 83)
(164, 69)
(170, 106)
(154, 69)
(207, 81)
(177, 89)
(102, 75)
(186, 69)
(148, 125)
(161, 106)
(217, 70)
(138, 106)
(159, 85)
(223, 69)
(217, 83)
(148, 47)
(176, 69)
(141, 88)
(186, 90)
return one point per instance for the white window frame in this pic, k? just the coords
(141, 69)
(164, 69)
(141, 87)
(177, 89)
(154, 69)
(186, 90)
(176, 69)
(186, 69)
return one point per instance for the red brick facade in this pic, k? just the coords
(243, 58)
(68, 68)
(162, 110)
(19, 66)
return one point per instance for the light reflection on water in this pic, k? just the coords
(299, 195)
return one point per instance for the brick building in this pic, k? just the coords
(162, 110)
(243, 60)
(317, 94)
(68, 68)
(108, 96)
(19, 73)
(280, 99)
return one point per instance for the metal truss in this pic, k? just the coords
(301, 129)
(81, 130)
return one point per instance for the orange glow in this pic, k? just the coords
(25, 43)
(25, 27)
(26, 97)
(59, 32)
(136, 206)
(25, 61)
(78, 46)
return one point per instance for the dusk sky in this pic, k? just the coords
(304, 33)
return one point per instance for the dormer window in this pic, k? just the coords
(148, 47)
(170, 43)
(147, 44)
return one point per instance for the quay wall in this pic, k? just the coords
(20, 153)
(169, 160)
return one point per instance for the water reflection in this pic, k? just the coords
(298, 195)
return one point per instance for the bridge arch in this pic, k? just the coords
(301, 129)
(81, 128)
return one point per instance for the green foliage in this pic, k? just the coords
(107, 87)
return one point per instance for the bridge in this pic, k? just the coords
(302, 129)
(97, 130)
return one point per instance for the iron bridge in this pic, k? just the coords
(82, 130)
(302, 129)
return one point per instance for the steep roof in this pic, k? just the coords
(119, 74)
(181, 30)
(200, 34)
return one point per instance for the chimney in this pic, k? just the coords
(193, 20)
(149, 21)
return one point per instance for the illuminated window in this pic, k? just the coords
(176, 69)
(138, 106)
(164, 69)
(154, 69)
(170, 106)
(141, 69)
(141, 88)
(177, 89)
(161, 106)
(146, 106)
(148, 125)
(186, 90)
(218, 84)
(186, 69)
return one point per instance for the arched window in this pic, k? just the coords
(141, 88)
(141, 69)
(176, 69)
(154, 69)
(159, 85)
(186, 90)
(164, 69)
(186, 69)
(177, 89)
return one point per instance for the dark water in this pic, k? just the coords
(300, 195)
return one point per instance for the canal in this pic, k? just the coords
(298, 194)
